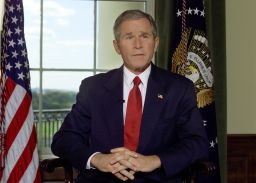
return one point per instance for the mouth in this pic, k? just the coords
(139, 54)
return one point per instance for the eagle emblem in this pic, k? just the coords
(195, 64)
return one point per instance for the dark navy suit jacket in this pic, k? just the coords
(171, 125)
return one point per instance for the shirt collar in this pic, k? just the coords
(129, 76)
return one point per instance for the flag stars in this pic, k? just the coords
(9, 32)
(14, 20)
(204, 122)
(26, 64)
(18, 65)
(23, 53)
(5, 55)
(17, 31)
(202, 13)
(14, 54)
(11, 8)
(18, 7)
(21, 42)
(196, 11)
(190, 11)
(8, 67)
(179, 13)
(12, 43)
(21, 76)
(212, 144)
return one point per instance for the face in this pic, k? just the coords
(136, 44)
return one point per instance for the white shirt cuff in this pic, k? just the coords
(88, 165)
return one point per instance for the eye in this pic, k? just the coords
(145, 35)
(129, 37)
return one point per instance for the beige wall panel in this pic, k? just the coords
(241, 66)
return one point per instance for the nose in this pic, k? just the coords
(137, 43)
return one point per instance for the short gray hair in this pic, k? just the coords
(133, 15)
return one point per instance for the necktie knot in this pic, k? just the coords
(136, 81)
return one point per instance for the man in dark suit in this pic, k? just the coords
(143, 130)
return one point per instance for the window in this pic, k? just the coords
(68, 40)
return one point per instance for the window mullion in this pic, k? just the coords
(40, 107)
(95, 38)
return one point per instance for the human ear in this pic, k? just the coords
(116, 46)
(156, 43)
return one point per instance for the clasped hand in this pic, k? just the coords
(123, 163)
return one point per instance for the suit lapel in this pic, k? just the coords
(113, 104)
(154, 101)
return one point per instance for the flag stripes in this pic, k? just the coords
(29, 175)
(23, 160)
(13, 100)
(20, 134)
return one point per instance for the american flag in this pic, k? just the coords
(20, 158)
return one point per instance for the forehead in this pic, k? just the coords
(137, 25)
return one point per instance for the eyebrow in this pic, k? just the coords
(141, 33)
(146, 33)
(127, 34)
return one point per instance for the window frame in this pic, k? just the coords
(149, 8)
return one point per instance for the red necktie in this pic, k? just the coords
(133, 117)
